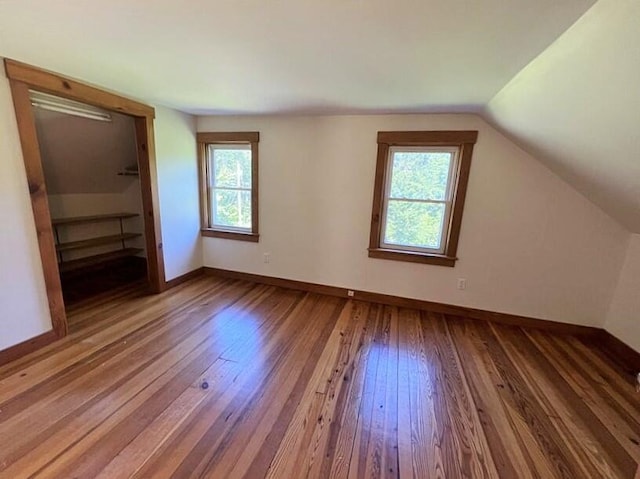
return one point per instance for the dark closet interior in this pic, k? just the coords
(90, 164)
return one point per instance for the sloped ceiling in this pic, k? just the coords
(569, 93)
(84, 156)
(256, 56)
(577, 108)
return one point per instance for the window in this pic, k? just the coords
(420, 186)
(229, 184)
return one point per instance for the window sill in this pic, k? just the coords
(413, 257)
(234, 235)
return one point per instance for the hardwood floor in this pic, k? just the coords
(305, 385)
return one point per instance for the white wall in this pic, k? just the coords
(529, 245)
(24, 311)
(623, 320)
(178, 190)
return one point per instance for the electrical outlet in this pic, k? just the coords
(462, 284)
(267, 257)
(351, 293)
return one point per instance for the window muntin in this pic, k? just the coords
(230, 187)
(418, 197)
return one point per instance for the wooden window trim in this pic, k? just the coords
(464, 140)
(204, 139)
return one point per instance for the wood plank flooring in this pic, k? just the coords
(304, 385)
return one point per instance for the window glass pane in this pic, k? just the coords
(232, 208)
(414, 224)
(231, 167)
(420, 175)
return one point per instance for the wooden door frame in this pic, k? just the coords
(24, 77)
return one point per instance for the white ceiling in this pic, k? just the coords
(569, 93)
(256, 56)
(577, 108)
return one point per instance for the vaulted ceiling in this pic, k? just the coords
(559, 76)
(577, 108)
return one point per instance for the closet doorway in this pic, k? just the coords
(90, 165)
(96, 214)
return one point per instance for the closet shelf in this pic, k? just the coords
(98, 241)
(87, 261)
(97, 259)
(131, 170)
(92, 219)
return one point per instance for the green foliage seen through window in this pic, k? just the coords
(416, 201)
(231, 198)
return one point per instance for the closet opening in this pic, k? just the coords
(94, 201)
(90, 164)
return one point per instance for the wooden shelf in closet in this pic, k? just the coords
(97, 259)
(92, 219)
(65, 265)
(98, 241)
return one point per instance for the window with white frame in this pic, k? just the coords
(418, 198)
(230, 187)
(229, 169)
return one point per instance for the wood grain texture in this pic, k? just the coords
(39, 204)
(172, 283)
(459, 196)
(97, 259)
(250, 237)
(378, 196)
(228, 137)
(56, 84)
(97, 241)
(145, 145)
(397, 255)
(492, 316)
(92, 218)
(437, 138)
(26, 347)
(301, 384)
(627, 357)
